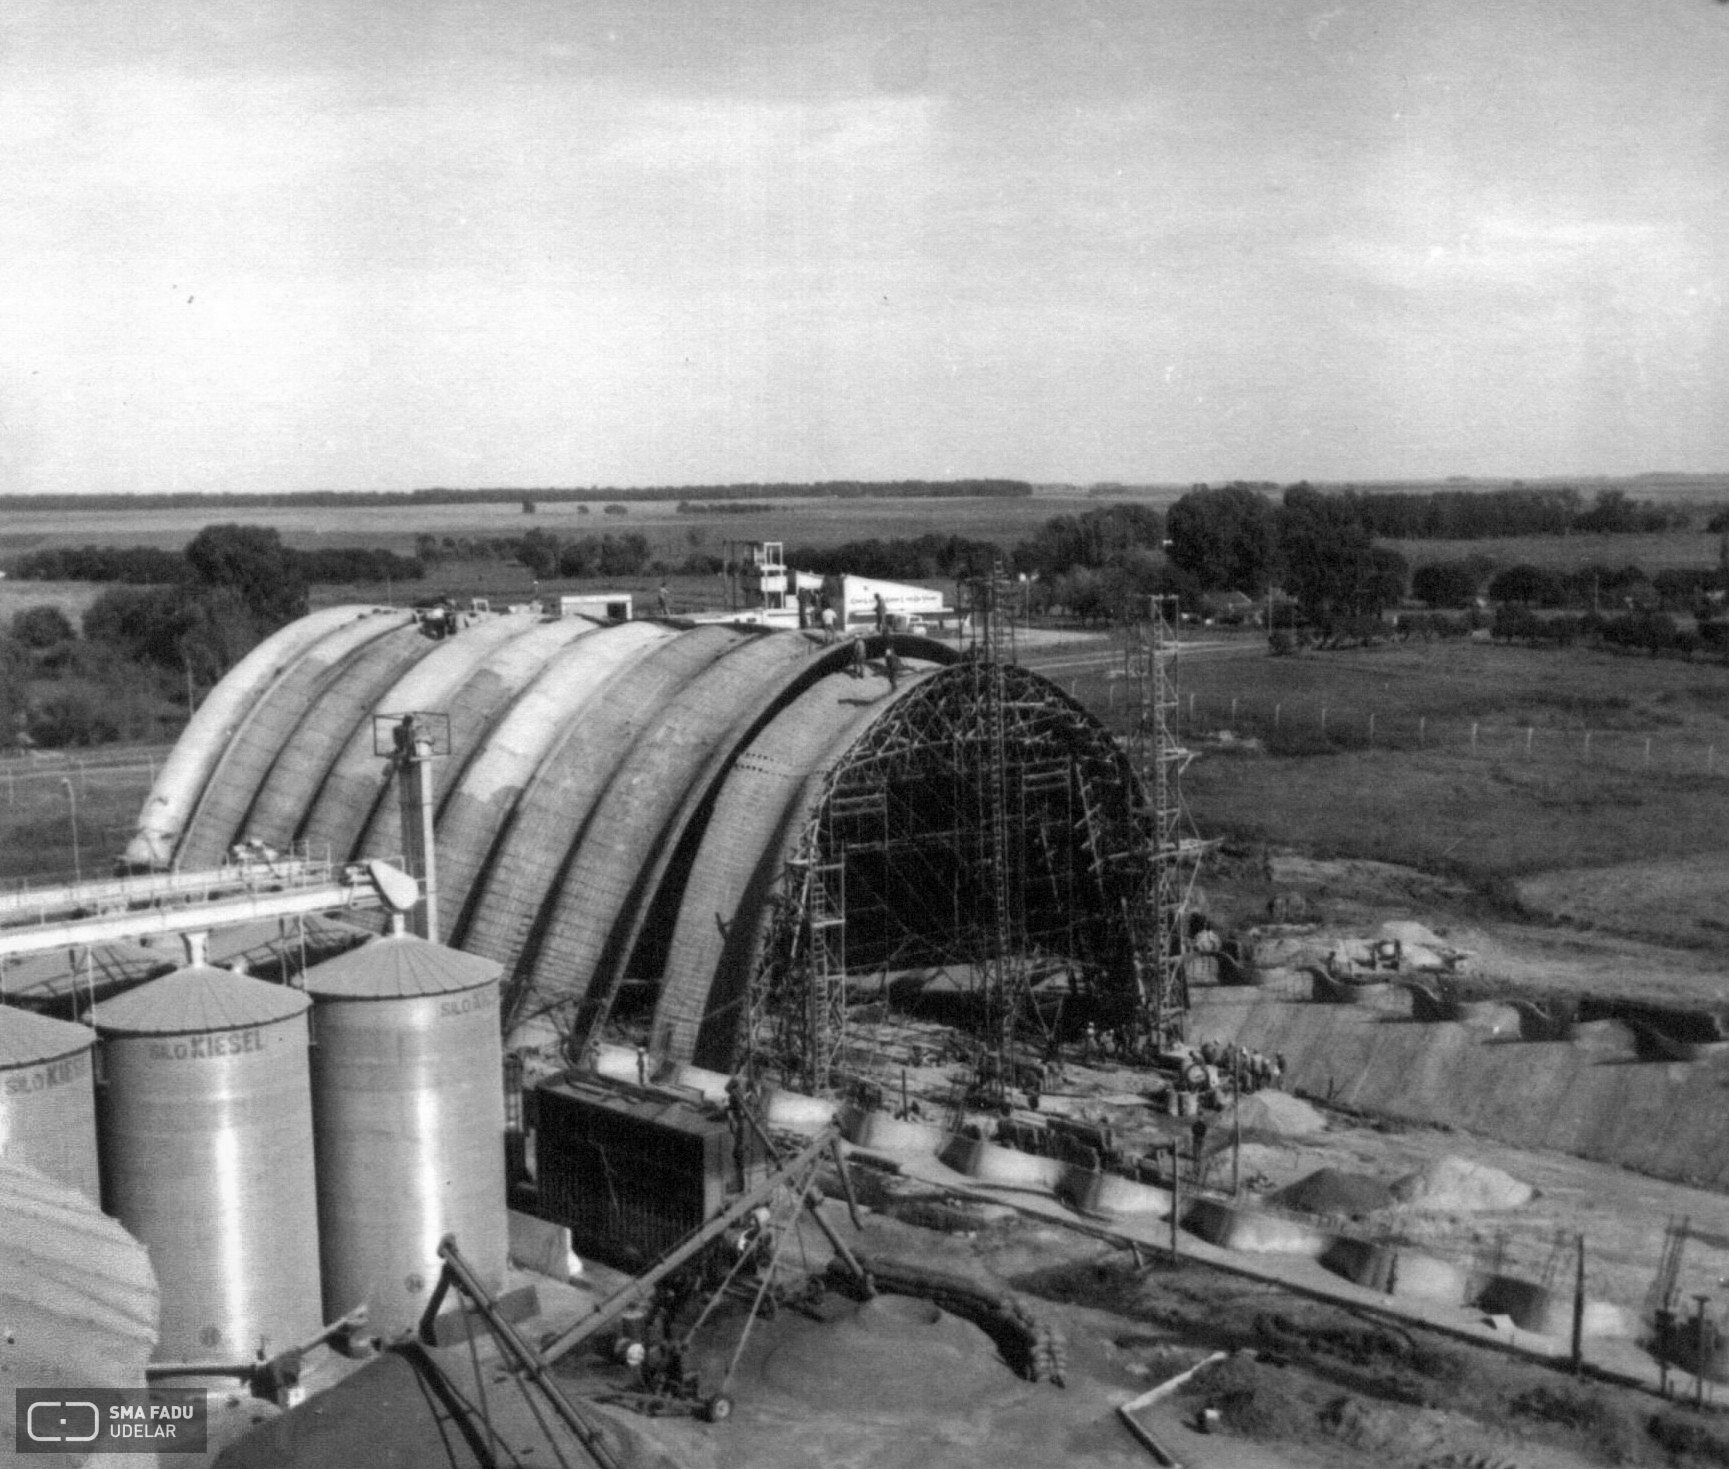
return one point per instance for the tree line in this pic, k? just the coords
(847, 489)
(150, 566)
(1476, 515)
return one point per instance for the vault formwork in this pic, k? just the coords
(986, 780)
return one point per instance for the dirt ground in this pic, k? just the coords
(899, 1383)
(1351, 898)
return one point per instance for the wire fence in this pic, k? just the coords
(1315, 725)
(20, 779)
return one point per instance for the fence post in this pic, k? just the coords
(1647, 752)
(1527, 742)
(1191, 706)
(1371, 726)
(1277, 709)
(1710, 760)
(1587, 747)
(1233, 711)
(1473, 737)
(1323, 719)
(1423, 730)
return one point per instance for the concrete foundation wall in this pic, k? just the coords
(1663, 1118)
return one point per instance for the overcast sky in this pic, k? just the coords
(260, 245)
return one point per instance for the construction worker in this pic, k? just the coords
(882, 613)
(856, 661)
(827, 623)
(663, 601)
(892, 667)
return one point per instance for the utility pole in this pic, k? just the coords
(77, 859)
(1237, 1123)
(1700, 1344)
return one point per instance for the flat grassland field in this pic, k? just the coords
(797, 522)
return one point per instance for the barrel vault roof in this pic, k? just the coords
(610, 788)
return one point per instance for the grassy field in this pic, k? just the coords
(1677, 549)
(1526, 801)
(38, 813)
(796, 522)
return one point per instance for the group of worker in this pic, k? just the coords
(440, 622)
(829, 620)
(1251, 1070)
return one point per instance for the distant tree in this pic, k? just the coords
(625, 555)
(1331, 566)
(1655, 632)
(529, 507)
(1226, 539)
(144, 623)
(1445, 584)
(72, 716)
(42, 626)
(252, 562)
(1515, 620)
(539, 552)
(1095, 538)
(1530, 586)
(1613, 513)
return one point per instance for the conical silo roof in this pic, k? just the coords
(399, 967)
(196, 999)
(38, 978)
(27, 1039)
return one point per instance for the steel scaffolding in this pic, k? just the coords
(986, 824)
(1150, 650)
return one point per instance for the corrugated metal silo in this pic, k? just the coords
(408, 1096)
(205, 1119)
(47, 1102)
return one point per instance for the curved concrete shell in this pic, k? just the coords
(345, 800)
(617, 816)
(189, 767)
(218, 820)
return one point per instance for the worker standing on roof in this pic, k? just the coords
(882, 608)
(892, 667)
(827, 623)
(856, 661)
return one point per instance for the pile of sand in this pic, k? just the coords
(895, 1354)
(1333, 1191)
(1457, 1185)
(1281, 1113)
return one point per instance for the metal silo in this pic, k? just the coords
(47, 1102)
(205, 1118)
(408, 1100)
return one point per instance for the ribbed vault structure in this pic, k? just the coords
(621, 802)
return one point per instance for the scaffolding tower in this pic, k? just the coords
(1002, 971)
(1150, 650)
